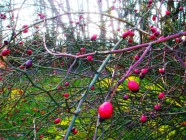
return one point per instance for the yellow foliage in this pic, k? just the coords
(15, 93)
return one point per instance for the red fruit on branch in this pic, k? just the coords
(93, 37)
(131, 33)
(125, 34)
(20, 43)
(66, 84)
(167, 12)
(92, 88)
(133, 86)
(41, 136)
(25, 27)
(143, 118)
(82, 49)
(150, 2)
(157, 107)
(56, 121)
(75, 131)
(2, 16)
(161, 70)
(161, 95)
(66, 95)
(157, 33)
(153, 29)
(178, 40)
(136, 57)
(130, 40)
(21, 67)
(90, 58)
(29, 52)
(59, 87)
(136, 71)
(153, 17)
(105, 110)
(144, 71)
(5, 52)
(125, 97)
(152, 37)
(181, 8)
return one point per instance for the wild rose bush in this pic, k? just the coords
(113, 73)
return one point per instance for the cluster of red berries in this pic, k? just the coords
(129, 34)
(2, 16)
(155, 33)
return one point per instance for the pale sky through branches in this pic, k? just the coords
(29, 13)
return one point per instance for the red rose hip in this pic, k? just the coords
(161, 95)
(143, 118)
(157, 107)
(133, 86)
(56, 121)
(66, 95)
(105, 110)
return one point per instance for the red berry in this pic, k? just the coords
(131, 33)
(153, 29)
(143, 118)
(133, 86)
(66, 84)
(105, 110)
(5, 52)
(21, 67)
(2, 16)
(152, 37)
(82, 49)
(93, 37)
(41, 136)
(58, 87)
(161, 70)
(161, 95)
(29, 52)
(130, 40)
(125, 34)
(75, 131)
(150, 2)
(180, 8)
(136, 71)
(167, 12)
(21, 43)
(90, 58)
(156, 107)
(92, 88)
(157, 33)
(178, 40)
(136, 57)
(56, 121)
(118, 29)
(66, 95)
(42, 16)
(125, 97)
(144, 71)
(153, 17)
